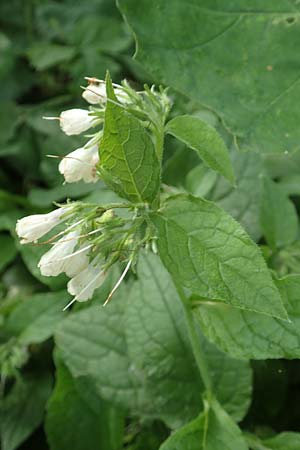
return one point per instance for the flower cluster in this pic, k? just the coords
(92, 238)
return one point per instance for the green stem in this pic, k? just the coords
(195, 341)
(160, 143)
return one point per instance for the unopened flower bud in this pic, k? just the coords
(95, 93)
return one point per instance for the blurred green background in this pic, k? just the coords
(46, 50)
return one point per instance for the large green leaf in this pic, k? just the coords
(147, 365)
(279, 218)
(92, 343)
(244, 334)
(212, 430)
(208, 252)
(128, 161)
(22, 410)
(205, 140)
(76, 422)
(239, 59)
(159, 347)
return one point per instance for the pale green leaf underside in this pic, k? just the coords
(128, 161)
(212, 430)
(238, 58)
(208, 252)
(205, 140)
(244, 334)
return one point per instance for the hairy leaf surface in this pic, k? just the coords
(238, 59)
(128, 161)
(244, 334)
(208, 252)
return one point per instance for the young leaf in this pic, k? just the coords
(159, 347)
(212, 430)
(279, 218)
(128, 161)
(220, 260)
(246, 86)
(76, 422)
(205, 140)
(244, 334)
(22, 410)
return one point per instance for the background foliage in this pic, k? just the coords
(125, 377)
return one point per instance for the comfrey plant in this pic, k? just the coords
(214, 265)
(95, 238)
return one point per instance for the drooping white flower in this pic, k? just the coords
(95, 93)
(83, 285)
(62, 258)
(31, 228)
(75, 121)
(80, 165)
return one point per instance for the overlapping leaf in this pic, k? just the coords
(208, 252)
(238, 59)
(244, 334)
(128, 160)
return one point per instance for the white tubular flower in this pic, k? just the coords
(79, 261)
(31, 228)
(75, 121)
(80, 165)
(62, 259)
(95, 93)
(83, 285)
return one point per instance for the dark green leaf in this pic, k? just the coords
(22, 410)
(205, 140)
(79, 423)
(8, 250)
